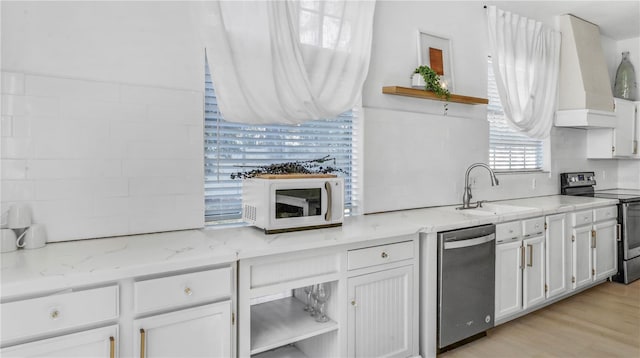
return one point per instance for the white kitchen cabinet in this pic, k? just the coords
(192, 314)
(100, 342)
(636, 131)
(508, 278)
(533, 272)
(594, 247)
(195, 332)
(271, 304)
(373, 305)
(519, 267)
(381, 314)
(605, 249)
(558, 256)
(582, 256)
(617, 142)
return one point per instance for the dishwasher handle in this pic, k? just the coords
(469, 242)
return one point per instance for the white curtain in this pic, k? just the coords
(525, 56)
(287, 61)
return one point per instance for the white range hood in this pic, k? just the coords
(585, 98)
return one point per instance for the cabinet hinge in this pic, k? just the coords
(573, 238)
(593, 233)
(635, 147)
(546, 288)
(613, 149)
(545, 226)
(573, 279)
(593, 272)
(233, 318)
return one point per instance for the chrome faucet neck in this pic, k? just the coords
(466, 196)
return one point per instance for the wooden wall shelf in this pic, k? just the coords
(420, 93)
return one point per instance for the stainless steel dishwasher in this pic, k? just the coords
(466, 284)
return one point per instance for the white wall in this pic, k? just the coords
(102, 107)
(102, 116)
(394, 57)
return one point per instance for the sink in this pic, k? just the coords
(489, 209)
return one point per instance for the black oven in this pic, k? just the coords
(582, 184)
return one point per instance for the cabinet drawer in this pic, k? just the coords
(50, 314)
(581, 218)
(603, 214)
(507, 231)
(379, 255)
(532, 226)
(182, 290)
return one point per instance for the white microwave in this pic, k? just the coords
(281, 203)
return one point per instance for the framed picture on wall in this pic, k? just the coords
(435, 52)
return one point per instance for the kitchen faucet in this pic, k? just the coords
(466, 197)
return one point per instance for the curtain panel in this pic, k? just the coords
(289, 61)
(526, 63)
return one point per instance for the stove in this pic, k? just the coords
(582, 184)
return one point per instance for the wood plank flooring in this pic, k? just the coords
(603, 321)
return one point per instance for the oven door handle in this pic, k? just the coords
(619, 226)
(469, 242)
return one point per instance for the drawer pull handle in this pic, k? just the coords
(143, 337)
(530, 263)
(384, 255)
(187, 291)
(112, 347)
(54, 314)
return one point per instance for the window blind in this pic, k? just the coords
(509, 150)
(235, 147)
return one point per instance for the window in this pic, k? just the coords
(233, 147)
(509, 150)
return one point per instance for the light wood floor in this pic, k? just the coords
(603, 321)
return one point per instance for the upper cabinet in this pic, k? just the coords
(621, 141)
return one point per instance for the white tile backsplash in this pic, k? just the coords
(17, 190)
(71, 88)
(16, 148)
(12, 83)
(6, 126)
(97, 159)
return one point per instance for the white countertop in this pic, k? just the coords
(58, 266)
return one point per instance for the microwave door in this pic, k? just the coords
(300, 203)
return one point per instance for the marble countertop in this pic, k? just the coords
(59, 266)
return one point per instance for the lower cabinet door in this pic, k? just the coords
(605, 249)
(195, 332)
(557, 255)
(582, 257)
(508, 279)
(533, 273)
(381, 314)
(101, 342)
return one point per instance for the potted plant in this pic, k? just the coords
(431, 81)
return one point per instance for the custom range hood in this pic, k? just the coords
(585, 98)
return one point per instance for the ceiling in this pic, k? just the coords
(618, 20)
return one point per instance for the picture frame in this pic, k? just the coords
(435, 51)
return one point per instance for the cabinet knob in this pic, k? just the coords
(384, 255)
(187, 291)
(353, 303)
(54, 314)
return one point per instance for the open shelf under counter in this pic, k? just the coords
(420, 93)
(281, 322)
(282, 352)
